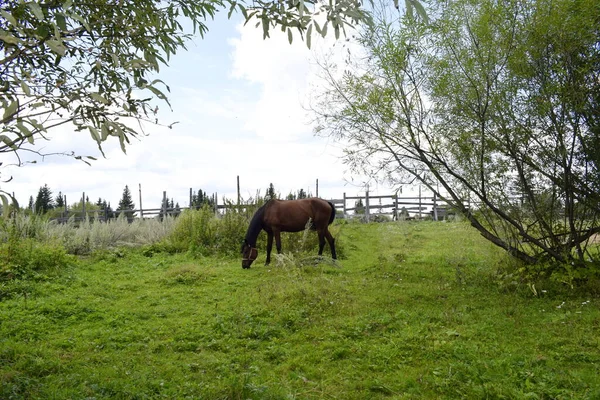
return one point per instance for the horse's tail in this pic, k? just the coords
(332, 216)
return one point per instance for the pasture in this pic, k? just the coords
(415, 310)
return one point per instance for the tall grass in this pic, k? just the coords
(200, 232)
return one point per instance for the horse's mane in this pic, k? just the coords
(255, 225)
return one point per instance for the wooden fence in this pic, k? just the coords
(393, 206)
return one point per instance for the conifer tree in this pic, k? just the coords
(126, 203)
(59, 201)
(200, 199)
(43, 201)
(270, 194)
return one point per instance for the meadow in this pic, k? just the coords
(413, 310)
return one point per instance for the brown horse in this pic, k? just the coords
(278, 216)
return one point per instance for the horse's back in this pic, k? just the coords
(293, 215)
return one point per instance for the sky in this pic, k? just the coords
(240, 103)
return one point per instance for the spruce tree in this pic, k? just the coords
(126, 203)
(60, 200)
(270, 194)
(43, 201)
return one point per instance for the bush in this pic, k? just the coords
(203, 233)
(23, 258)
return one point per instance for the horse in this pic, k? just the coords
(278, 216)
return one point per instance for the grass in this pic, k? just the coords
(415, 310)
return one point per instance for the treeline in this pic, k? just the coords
(54, 205)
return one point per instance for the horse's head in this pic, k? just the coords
(249, 254)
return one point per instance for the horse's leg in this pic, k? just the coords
(321, 241)
(269, 247)
(277, 234)
(331, 242)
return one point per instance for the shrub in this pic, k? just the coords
(24, 258)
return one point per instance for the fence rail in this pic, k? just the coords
(392, 205)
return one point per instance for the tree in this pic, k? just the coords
(43, 200)
(60, 200)
(31, 204)
(126, 203)
(359, 207)
(201, 199)
(92, 64)
(270, 193)
(108, 211)
(493, 104)
(302, 194)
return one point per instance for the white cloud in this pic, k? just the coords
(253, 124)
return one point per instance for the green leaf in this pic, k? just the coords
(25, 131)
(36, 10)
(317, 28)
(105, 131)
(290, 37)
(122, 142)
(157, 92)
(10, 39)
(231, 9)
(420, 10)
(61, 22)
(11, 110)
(265, 26)
(9, 142)
(9, 17)
(37, 125)
(56, 46)
(99, 98)
(94, 133)
(308, 36)
(25, 88)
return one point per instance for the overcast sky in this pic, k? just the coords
(241, 106)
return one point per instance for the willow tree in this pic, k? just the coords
(93, 65)
(493, 106)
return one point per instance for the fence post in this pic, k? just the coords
(396, 206)
(141, 208)
(190, 198)
(344, 205)
(239, 197)
(83, 206)
(164, 205)
(317, 188)
(435, 216)
(367, 205)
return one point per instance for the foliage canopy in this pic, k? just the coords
(494, 105)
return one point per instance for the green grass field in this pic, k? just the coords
(415, 310)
